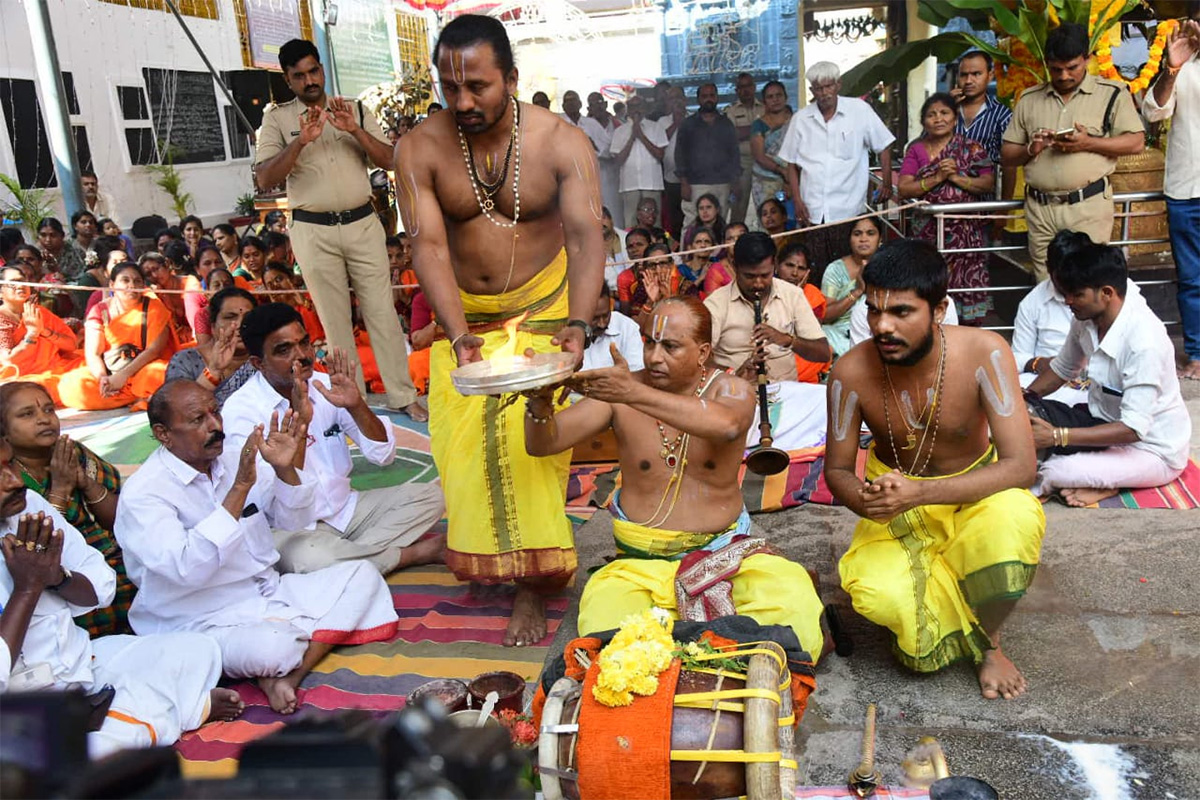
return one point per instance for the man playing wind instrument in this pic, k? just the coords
(950, 538)
(682, 533)
(500, 233)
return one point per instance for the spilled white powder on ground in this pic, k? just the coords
(1104, 768)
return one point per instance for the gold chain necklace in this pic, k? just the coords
(669, 448)
(484, 194)
(935, 405)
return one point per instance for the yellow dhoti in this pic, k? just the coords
(767, 588)
(506, 509)
(922, 574)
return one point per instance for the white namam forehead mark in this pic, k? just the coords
(843, 414)
(1000, 397)
(658, 327)
(407, 197)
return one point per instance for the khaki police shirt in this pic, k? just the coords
(331, 172)
(1042, 108)
(743, 117)
(786, 310)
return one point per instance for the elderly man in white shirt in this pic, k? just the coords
(1176, 95)
(826, 148)
(601, 139)
(381, 526)
(1135, 431)
(147, 690)
(195, 523)
(638, 148)
(611, 327)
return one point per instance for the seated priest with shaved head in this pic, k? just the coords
(682, 533)
(195, 524)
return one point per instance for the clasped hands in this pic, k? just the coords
(889, 496)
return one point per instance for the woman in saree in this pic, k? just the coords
(66, 257)
(35, 344)
(177, 287)
(222, 363)
(842, 282)
(695, 265)
(76, 481)
(252, 258)
(720, 272)
(127, 342)
(944, 167)
(659, 279)
(768, 175)
(708, 215)
(278, 277)
(107, 252)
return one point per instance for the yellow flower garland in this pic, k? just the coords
(1157, 47)
(633, 660)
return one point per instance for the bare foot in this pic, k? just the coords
(425, 551)
(416, 412)
(224, 705)
(1081, 498)
(527, 626)
(999, 677)
(281, 693)
(1190, 371)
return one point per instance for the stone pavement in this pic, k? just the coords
(1108, 637)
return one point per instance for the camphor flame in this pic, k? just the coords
(506, 351)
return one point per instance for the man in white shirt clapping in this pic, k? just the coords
(379, 525)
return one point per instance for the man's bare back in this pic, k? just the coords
(547, 151)
(710, 498)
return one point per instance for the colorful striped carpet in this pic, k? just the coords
(445, 632)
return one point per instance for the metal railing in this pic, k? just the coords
(941, 212)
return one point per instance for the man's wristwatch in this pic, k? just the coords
(585, 327)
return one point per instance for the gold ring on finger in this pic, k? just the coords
(30, 544)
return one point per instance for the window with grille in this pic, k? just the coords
(204, 9)
(412, 35)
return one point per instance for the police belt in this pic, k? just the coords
(1066, 198)
(333, 217)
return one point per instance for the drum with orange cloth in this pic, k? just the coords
(704, 733)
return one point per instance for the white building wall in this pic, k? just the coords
(105, 45)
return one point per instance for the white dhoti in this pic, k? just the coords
(384, 522)
(162, 687)
(347, 603)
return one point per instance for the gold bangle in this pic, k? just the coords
(924, 188)
(454, 342)
(1054, 436)
(1174, 70)
(99, 499)
(1065, 435)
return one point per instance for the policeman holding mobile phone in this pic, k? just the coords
(1068, 134)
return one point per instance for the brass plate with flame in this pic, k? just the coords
(504, 374)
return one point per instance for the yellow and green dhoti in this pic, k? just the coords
(922, 574)
(767, 588)
(506, 509)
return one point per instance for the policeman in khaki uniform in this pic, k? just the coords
(1068, 135)
(742, 114)
(323, 147)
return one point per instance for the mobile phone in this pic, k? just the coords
(1064, 133)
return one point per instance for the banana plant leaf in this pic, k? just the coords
(896, 62)
(979, 13)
